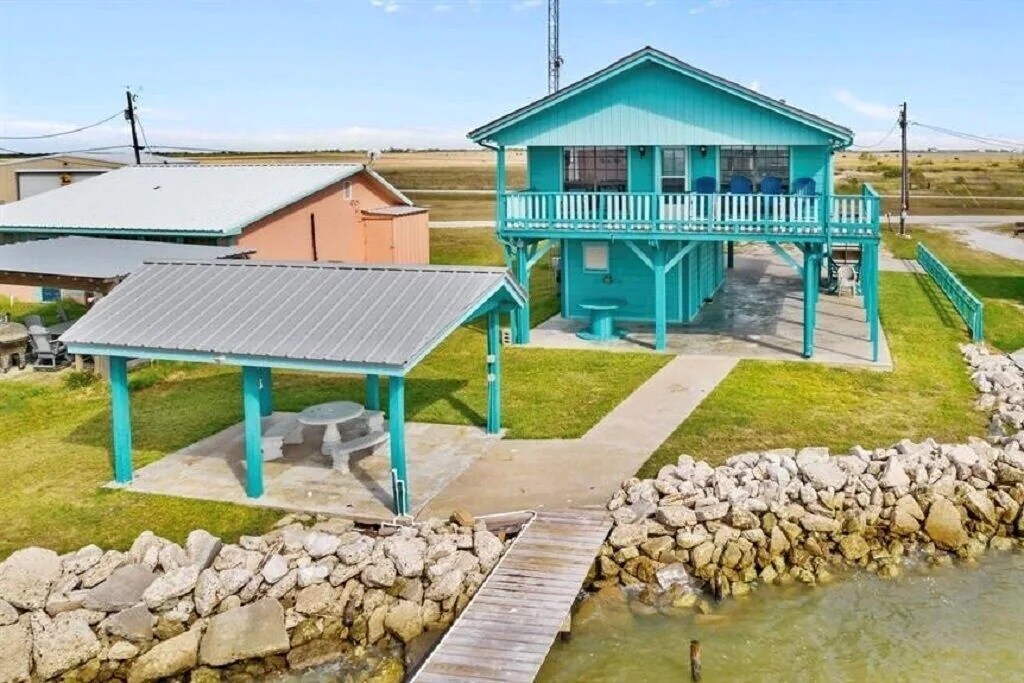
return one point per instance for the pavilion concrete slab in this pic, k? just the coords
(757, 314)
(303, 480)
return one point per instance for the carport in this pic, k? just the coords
(367, 320)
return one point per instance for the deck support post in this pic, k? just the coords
(729, 255)
(660, 298)
(120, 414)
(493, 374)
(252, 409)
(372, 397)
(811, 274)
(396, 427)
(521, 316)
(266, 393)
(870, 291)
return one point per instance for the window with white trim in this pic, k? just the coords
(673, 169)
(754, 163)
(595, 257)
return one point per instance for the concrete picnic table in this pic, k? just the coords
(330, 415)
(602, 319)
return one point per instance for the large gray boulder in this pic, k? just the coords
(135, 623)
(256, 630)
(27, 575)
(123, 589)
(169, 658)
(61, 644)
(8, 615)
(173, 584)
(15, 653)
(202, 547)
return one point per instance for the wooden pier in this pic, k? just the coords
(506, 630)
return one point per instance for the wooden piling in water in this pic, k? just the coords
(695, 660)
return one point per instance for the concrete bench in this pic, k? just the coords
(278, 434)
(340, 454)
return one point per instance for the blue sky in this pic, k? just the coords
(378, 73)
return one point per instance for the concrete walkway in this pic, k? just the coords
(537, 474)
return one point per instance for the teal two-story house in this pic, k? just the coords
(646, 172)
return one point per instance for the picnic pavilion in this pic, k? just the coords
(367, 320)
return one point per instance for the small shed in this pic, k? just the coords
(368, 320)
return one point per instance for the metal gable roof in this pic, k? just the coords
(219, 200)
(650, 54)
(99, 258)
(348, 315)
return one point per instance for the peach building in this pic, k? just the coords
(308, 212)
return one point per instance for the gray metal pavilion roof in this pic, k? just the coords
(97, 258)
(287, 314)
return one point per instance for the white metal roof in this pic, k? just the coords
(112, 157)
(173, 199)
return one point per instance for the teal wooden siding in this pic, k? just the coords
(653, 105)
(631, 280)
(697, 277)
(544, 169)
(706, 165)
(807, 161)
(641, 169)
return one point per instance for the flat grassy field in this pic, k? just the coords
(945, 182)
(963, 180)
(789, 404)
(55, 438)
(997, 280)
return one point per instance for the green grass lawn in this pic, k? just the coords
(55, 454)
(997, 280)
(784, 404)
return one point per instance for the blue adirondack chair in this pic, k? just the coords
(741, 185)
(771, 185)
(704, 185)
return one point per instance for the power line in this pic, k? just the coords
(969, 136)
(884, 138)
(65, 132)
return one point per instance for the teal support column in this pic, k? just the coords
(810, 275)
(266, 393)
(252, 405)
(729, 257)
(521, 317)
(660, 299)
(499, 188)
(396, 425)
(373, 392)
(871, 299)
(493, 374)
(121, 419)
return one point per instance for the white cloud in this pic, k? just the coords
(755, 86)
(389, 6)
(708, 5)
(442, 7)
(526, 4)
(870, 109)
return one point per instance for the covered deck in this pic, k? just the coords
(758, 313)
(375, 321)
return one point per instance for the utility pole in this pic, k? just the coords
(129, 115)
(554, 58)
(904, 172)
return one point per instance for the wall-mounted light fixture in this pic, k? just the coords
(642, 150)
(703, 151)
